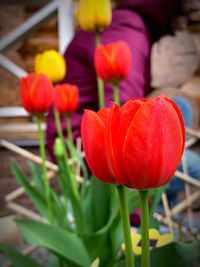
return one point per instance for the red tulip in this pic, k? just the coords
(66, 98)
(36, 92)
(113, 61)
(139, 145)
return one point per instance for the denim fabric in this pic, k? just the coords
(192, 159)
(193, 165)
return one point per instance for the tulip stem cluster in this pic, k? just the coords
(145, 227)
(44, 169)
(60, 134)
(100, 86)
(126, 226)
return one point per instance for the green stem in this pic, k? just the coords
(69, 134)
(58, 126)
(97, 38)
(116, 93)
(145, 227)
(60, 134)
(44, 170)
(126, 226)
(100, 86)
(69, 129)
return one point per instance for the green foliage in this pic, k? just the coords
(36, 193)
(63, 243)
(174, 254)
(17, 259)
(97, 230)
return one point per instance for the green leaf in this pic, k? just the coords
(68, 192)
(132, 199)
(175, 254)
(156, 198)
(95, 204)
(38, 199)
(36, 176)
(17, 259)
(62, 242)
(101, 209)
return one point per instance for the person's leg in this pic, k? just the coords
(176, 185)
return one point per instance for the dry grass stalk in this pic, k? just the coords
(187, 193)
(167, 212)
(25, 212)
(183, 204)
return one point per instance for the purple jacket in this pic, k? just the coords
(137, 22)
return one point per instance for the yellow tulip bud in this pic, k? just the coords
(94, 15)
(52, 64)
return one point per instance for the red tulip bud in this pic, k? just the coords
(36, 92)
(66, 98)
(139, 145)
(113, 61)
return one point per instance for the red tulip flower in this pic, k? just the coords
(113, 61)
(36, 92)
(66, 98)
(139, 145)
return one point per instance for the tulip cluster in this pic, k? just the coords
(38, 95)
(131, 146)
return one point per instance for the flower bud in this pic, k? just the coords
(94, 15)
(52, 64)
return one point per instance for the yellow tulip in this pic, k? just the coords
(94, 15)
(52, 64)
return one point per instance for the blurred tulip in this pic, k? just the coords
(66, 98)
(113, 61)
(139, 145)
(36, 92)
(52, 64)
(94, 15)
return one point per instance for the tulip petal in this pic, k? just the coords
(116, 127)
(92, 132)
(122, 67)
(153, 145)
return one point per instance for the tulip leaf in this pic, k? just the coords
(176, 254)
(64, 179)
(156, 198)
(36, 176)
(102, 238)
(132, 199)
(34, 194)
(96, 204)
(61, 242)
(39, 183)
(17, 259)
(39, 199)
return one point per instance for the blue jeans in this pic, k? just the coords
(192, 159)
(193, 165)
